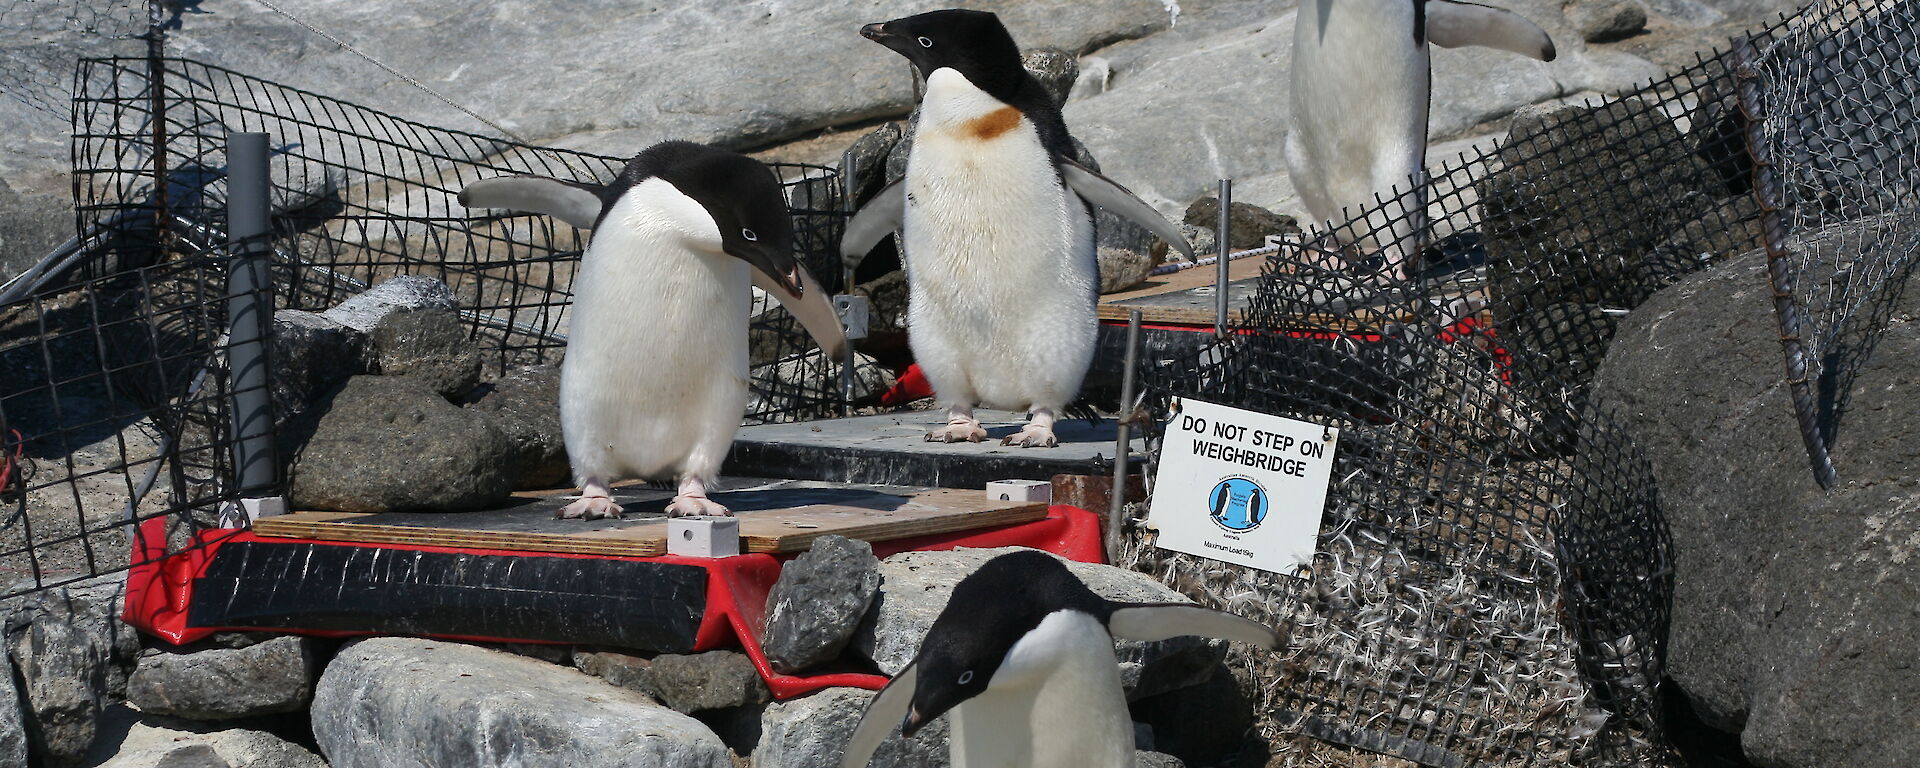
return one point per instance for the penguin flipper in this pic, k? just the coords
(1160, 621)
(1107, 193)
(812, 308)
(1454, 24)
(573, 202)
(884, 714)
(882, 216)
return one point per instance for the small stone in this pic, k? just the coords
(402, 701)
(1604, 21)
(13, 722)
(311, 356)
(63, 679)
(391, 443)
(1156, 760)
(1122, 268)
(431, 345)
(1249, 223)
(813, 731)
(525, 405)
(815, 607)
(703, 681)
(870, 160)
(401, 294)
(629, 672)
(1055, 69)
(223, 683)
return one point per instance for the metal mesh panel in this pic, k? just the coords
(1837, 135)
(112, 386)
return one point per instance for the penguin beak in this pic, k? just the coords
(782, 268)
(911, 722)
(876, 32)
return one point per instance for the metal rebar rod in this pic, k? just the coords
(1116, 511)
(847, 189)
(249, 311)
(1220, 274)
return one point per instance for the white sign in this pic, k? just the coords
(1242, 487)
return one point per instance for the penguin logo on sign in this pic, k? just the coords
(1238, 504)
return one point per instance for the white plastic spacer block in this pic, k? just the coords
(703, 536)
(242, 513)
(1020, 490)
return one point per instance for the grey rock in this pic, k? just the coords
(1604, 21)
(805, 65)
(13, 722)
(1201, 238)
(1796, 612)
(62, 673)
(702, 681)
(619, 669)
(818, 602)
(813, 730)
(1055, 69)
(914, 588)
(311, 356)
(405, 293)
(870, 154)
(225, 683)
(1156, 760)
(93, 607)
(886, 302)
(1122, 268)
(525, 404)
(160, 742)
(1250, 224)
(406, 702)
(431, 345)
(391, 443)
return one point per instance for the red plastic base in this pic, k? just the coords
(160, 587)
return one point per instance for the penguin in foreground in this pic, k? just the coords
(1023, 657)
(655, 378)
(1361, 89)
(1001, 273)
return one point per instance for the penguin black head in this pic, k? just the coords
(741, 194)
(990, 611)
(973, 43)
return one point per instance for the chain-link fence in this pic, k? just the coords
(115, 382)
(1836, 132)
(1493, 583)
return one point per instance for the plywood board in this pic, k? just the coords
(780, 517)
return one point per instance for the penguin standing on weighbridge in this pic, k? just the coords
(655, 378)
(1000, 264)
(1023, 657)
(1361, 88)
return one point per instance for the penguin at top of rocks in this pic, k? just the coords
(1022, 656)
(1361, 88)
(993, 209)
(655, 378)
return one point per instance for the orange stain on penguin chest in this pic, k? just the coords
(992, 124)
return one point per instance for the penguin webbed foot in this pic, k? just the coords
(590, 508)
(687, 505)
(952, 433)
(1032, 436)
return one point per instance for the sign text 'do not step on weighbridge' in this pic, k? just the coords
(1242, 487)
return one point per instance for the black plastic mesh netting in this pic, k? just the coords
(1493, 580)
(1836, 132)
(113, 386)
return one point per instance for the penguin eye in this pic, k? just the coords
(925, 42)
(967, 676)
(749, 235)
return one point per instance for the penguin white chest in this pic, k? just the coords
(999, 254)
(1055, 702)
(1360, 84)
(655, 377)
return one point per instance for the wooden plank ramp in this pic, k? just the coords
(780, 517)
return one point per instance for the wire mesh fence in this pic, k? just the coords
(1836, 133)
(141, 420)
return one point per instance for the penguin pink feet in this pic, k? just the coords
(593, 504)
(692, 501)
(1038, 433)
(961, 425)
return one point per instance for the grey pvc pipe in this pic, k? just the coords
(249, 311)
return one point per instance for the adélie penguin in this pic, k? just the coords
(1000, 264)
(655, 378)
(1022, 656)
(1361, 88)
